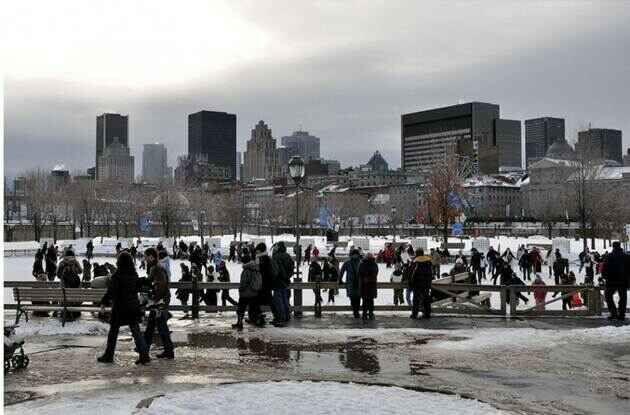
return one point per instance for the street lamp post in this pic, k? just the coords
(296, 171)
(393, 215)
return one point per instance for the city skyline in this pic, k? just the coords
(51, 106)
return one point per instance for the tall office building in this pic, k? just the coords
(239, 165)
(605, 142)
(301, 143)
(108, 127)
(212, 137)
(154, 163)
(540, 133)
(115, 164)
(261, 160)
(507, 136)
(467, 128)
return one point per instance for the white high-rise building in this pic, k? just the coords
(154, 163)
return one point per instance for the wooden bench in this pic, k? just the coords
(56, 299)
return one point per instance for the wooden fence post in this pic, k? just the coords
(512, 301)
(503, 295)
(195, 298)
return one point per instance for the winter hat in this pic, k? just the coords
(261, 249)
(245, 258)
(69, 252)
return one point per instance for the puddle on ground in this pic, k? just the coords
(357, 354)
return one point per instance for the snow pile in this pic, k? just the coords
(307, 398)
(53, 327)
(502, 338)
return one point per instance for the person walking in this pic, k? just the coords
(420, 283)
(615, 273)
(350, 269)
(158, 305)
(436, 260)
(122, 294)
(525, 264)
(224, 276)
(265, 296)
(475, 264)
(558, 268)
(368, 273)
(307, 254)
(89, 250)
(331, 274)
(250, 285)
(315, 275)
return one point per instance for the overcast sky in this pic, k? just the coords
(344, 71)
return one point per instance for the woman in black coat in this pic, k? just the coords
(122, 293)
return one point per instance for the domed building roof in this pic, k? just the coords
(561, 150)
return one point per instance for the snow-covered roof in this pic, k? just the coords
(494, 181)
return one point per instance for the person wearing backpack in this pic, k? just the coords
(250, 285)
(68, 273)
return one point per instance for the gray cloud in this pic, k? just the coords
(347, 78)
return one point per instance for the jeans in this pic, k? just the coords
(355, 302)
(368, 307)
(112, 338)
(620, 311)
(225, 298)
(281, 301)
(159, 319)
(399, 297)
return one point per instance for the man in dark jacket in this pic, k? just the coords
(265, 296)
(353, 290)
(475, 264)
(368, 273)
(89, 250)
(159, 299)
(51, 262)
(122, 293)
(421, 284)
(284, 266)
(616, 269)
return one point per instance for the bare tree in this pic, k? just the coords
(36, 197)
(169, 207)
(443, 185)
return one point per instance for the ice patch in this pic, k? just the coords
(501, 338)
(307, 398)
(52, 327)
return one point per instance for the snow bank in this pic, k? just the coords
(502, 338)
(52, 327)
(307, 398)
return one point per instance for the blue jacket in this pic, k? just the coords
(350, 269)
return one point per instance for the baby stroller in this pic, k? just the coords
(13, 344)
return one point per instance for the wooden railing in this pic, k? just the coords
(449, 298)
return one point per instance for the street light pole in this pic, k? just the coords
(296, 171)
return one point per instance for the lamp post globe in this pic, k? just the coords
(296, 169)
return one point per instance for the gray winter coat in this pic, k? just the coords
(251, 280)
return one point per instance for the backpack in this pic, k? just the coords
(69, 277)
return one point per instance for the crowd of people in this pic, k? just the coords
(265, 278)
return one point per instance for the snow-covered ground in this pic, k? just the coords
(304, 398)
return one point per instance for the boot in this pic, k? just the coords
(239, 323)
(105, 359)
(166, 355)
(143, 359)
